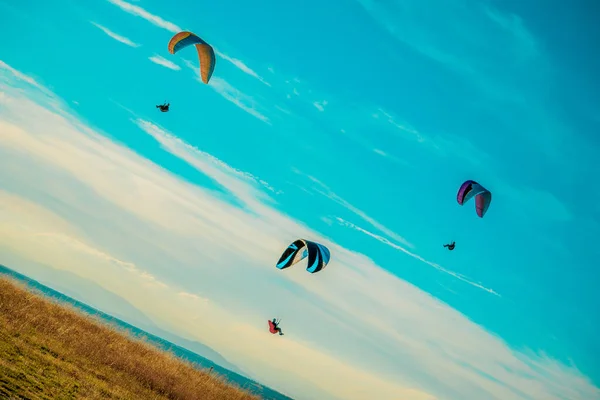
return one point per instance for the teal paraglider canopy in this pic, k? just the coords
(318, 255)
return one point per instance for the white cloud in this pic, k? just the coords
(417, 257)
(283, 110)
(243, 67)
(25, 223)
(465, 36)
(208, 164)
(25, 78)
(327, 192)
(231, 94)
(320, 105)
(193, 296)
(353, 322)
(238, 98)
(171, 27)
(115, 36)
(191, 65)
(142, 13)
(494, 53)
(327, 221)
(164, 62)
(392, 158)
(402, 127)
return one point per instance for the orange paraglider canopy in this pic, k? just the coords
(206, 54)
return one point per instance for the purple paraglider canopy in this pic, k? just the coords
(483, 197)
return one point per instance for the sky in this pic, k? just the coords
(350, 123)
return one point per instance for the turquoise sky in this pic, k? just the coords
(352, 121)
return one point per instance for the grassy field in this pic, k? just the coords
(49, 351)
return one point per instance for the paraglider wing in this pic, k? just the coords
(272, 327)
(482, 202)
(318, 255)
(294, 253)
(206, 54)
(483, 197)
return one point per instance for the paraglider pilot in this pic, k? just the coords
(450, 246)
(274, 328)
(163, 107)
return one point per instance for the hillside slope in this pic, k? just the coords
(50, 351)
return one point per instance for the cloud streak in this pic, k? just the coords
(142, 13)
(464, 39)
(242, 67)
(411, 132)
(160, 60)
(236, 97)
(416, 256)
(320, 105)
(495, 54)
(324, 190)
(14, 74)
(115, 36)
(353, 323)
(230, 93)
(211, 166)
(528, 201)
(173, 28)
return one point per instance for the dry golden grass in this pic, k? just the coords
(50, 351)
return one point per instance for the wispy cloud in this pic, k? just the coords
(416, 256)
(160, 60)
(171, 27)
(25, 78)
(242, 66)
(327, 192)
(142, 13)
(238, 98)
(444, 145)
(402, 127)
(391, 158)
(352, 323)
(283, 110)
(211, 166)
(464, 40)
(230, 93)
(531, 202)
(77, 245)
(195, 68)
(192, 296)
(115, 36)
(320, 105)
